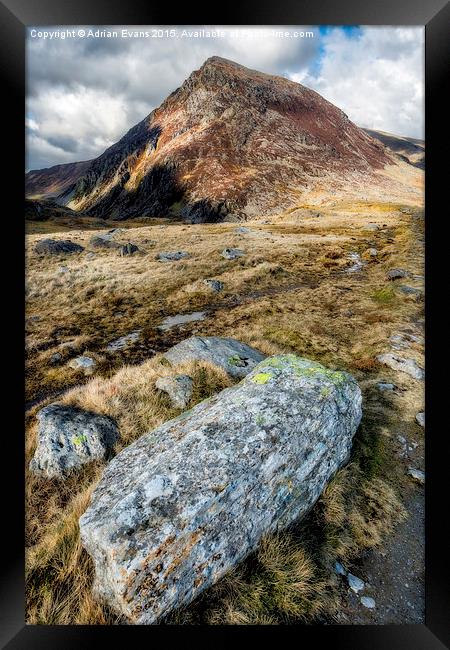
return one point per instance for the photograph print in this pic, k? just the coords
(224, 325)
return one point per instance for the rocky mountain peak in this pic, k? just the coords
(232, 143)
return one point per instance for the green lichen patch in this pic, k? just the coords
(261, 378)
(77, 440)
(303, 368)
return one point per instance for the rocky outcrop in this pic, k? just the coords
(56, 247)
(236, 358)
(181, 506)
(68, 438)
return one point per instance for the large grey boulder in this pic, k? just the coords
(68, 438)
(236, 358)
(182, 505)
(57, 246)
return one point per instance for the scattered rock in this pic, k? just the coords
(355, 584)
(128, 249)
(403, 365)
(420, 418)
(417, 475)
(181, 319)
(371, 226)
(83, 363)
(236, 358)
(185, 503)
(242, 230)
(69, 437)
(357, 263)
(102, 242)
(370, 252)
(215, 285)
(385, 387)
(339, 569)
(124, 341)
(90, 256)
(404, 288)
(232, 253)
(63, 269)
(178, 388)
(56, 247)
(396, 274)
(55, 358)
(368, 602)
(398, 342)
(172, 257)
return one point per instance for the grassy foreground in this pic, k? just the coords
(291, 292)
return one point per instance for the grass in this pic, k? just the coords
(281, 297)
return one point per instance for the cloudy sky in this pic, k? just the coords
(84, 93)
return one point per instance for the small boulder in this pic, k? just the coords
(371, 227)
(232, 253)
(124, 341)
(57, 246)
(128, 249)
(102, 242)
(236, 358)
(68, 438)
(215, 285)
(383, 386)
(178, 388)
(368, 602)
(242, 230)
(83, 363)
(409, 366)
(172, 256)
(396, 274)
(339, 569)
(417, 475)
(355, 584)
(420, 418)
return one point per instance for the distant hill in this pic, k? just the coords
(48, 183)
(411, 149)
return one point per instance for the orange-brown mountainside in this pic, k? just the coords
(229, 143)
(48, 183)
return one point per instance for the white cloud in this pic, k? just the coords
(376, 79)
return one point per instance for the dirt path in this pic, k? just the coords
(394, 576)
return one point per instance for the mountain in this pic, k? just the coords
(50, 182)
(411, 149)
(229, 143)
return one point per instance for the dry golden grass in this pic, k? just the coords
(283, 296)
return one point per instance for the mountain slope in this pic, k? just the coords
(229, 143)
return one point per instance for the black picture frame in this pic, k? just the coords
(15, 15)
